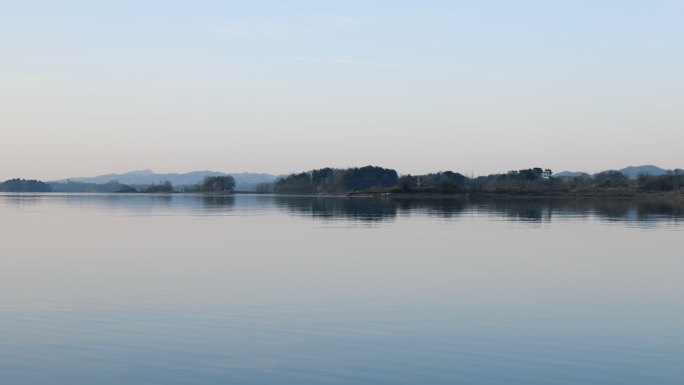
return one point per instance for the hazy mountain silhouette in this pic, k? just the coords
(631, 172)
(244, 181)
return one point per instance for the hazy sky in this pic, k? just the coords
(96, 86)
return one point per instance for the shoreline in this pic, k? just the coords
(403, 195)
(524, 195)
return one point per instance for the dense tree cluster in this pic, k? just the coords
(674, 181)
(24, 185)
(164, 187)
(215, 184)
(127, 189)
(263, 188)
(444, 182)
(333, 180)
(609, 179)
(531, 179)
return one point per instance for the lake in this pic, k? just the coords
(257, 289)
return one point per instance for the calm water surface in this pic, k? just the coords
(184, 289)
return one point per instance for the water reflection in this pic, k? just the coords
(217, 201)
(615, 209)
(171, 289)
(362, 209)
(517, 209)
(372, 209)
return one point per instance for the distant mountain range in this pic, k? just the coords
(244, 181)
(631, 172)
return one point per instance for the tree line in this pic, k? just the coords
(334, 180)
(535, 180)
(373, 179)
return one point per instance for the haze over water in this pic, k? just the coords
(180, 289)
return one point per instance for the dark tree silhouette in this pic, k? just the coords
(165, 187)
(216, 184)
(24, 185)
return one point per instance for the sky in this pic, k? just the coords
(89, 87)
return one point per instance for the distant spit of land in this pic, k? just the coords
(630, 181)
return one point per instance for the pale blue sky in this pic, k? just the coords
(97, 86)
